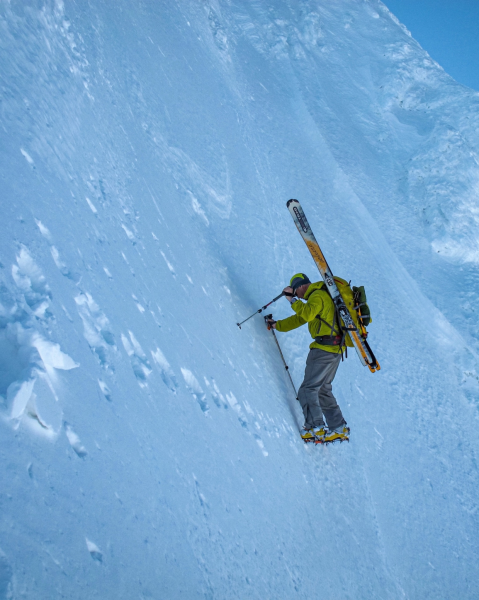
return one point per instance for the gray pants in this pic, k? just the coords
(316, 392)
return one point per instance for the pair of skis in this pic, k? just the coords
(357, 337)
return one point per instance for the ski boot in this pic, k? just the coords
(341, 433)
(307, 435)
(320, 432)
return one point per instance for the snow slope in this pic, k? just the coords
(149, 448)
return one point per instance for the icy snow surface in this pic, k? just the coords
(149, 448)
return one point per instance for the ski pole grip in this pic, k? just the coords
(266, 317)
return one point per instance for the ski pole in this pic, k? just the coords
(281, 353)
(261, 309)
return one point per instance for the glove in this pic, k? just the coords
(290, 295)
(270, 322)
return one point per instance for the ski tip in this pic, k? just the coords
(289, 202)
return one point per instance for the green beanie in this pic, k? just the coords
(298, 280)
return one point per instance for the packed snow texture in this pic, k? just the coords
(150, 448)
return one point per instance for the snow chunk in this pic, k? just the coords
(75, 441)
(30, 280)
(96, 327)
(169, 265)
(27, 156)
(58, 262)
(191, 381)
(130, 234)
(139, 363)
(167, 374)
(94, 551)
(52, 356)
(19, 394)
(92, 206)
(105, 389)
(195, 388)
(43, 230)
(197, 208)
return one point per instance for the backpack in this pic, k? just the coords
(356, 302)
(361, 306)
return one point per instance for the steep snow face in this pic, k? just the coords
(149, 447)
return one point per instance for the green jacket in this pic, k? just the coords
(318, 302)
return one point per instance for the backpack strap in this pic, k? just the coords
(332, 340)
